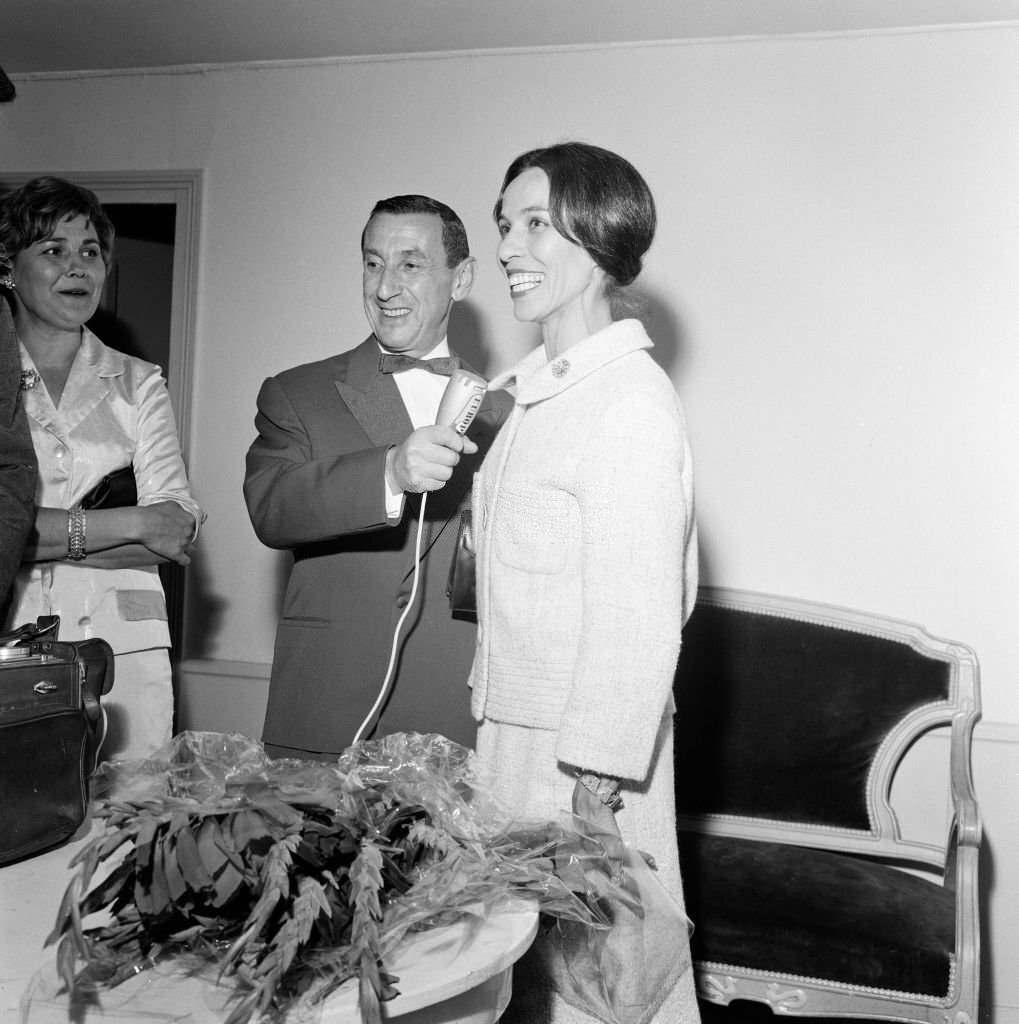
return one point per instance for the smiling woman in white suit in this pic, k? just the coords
(586, 543)
(93, 411)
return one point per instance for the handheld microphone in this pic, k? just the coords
(459, 405)
(461, 400)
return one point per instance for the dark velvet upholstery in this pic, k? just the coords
(805, 896)
(827, 915)
(781, 719)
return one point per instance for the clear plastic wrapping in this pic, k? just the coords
(284, 878)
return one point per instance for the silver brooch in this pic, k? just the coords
(29, 379)
(560, 367)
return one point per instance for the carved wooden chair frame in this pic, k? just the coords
(734, 813)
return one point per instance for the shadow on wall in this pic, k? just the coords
(467, 337)
(204, 610)
(664, 326)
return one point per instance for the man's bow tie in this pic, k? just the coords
(394, 363)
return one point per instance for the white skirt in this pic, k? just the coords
(519, 764)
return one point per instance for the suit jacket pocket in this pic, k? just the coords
(532, 532)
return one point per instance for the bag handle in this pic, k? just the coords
(46, 626)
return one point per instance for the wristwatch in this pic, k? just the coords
(604, 787)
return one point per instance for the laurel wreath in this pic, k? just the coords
(290, 880)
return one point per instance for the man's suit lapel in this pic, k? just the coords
(374, 401)
(373, 397)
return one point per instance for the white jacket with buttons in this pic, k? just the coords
(586, 552)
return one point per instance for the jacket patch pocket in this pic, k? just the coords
(136, 605)
(531, 532)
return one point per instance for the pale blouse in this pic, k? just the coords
(115, 411)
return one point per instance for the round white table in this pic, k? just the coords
(457, 974)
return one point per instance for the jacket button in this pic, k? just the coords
(560, 367)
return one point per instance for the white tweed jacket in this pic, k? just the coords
(587, 552)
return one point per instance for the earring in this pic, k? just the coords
(7, 282)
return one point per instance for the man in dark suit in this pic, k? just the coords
(345, 449)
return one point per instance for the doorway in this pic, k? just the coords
(134, 314)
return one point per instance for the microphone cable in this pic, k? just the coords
(458, 406)
(387, 681)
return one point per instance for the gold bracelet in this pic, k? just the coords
(76, 534)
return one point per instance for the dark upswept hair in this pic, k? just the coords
(454, 234)
(597, 200)
(32, 212)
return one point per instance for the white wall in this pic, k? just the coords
(835, 288)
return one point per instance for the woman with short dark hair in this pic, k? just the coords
(596, 200)
(94, 411)
(585, 533)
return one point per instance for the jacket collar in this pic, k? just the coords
(103, 360)
(536, 378)
(88, 384)
(372, 397)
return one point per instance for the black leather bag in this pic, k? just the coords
(460, 584)
(51, 728)
(116, 490)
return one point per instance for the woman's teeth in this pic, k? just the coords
(520, 283)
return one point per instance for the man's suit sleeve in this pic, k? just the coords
(18, 469)
(295, 497)
(17, 493)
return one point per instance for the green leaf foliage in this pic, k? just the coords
(289, 878)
